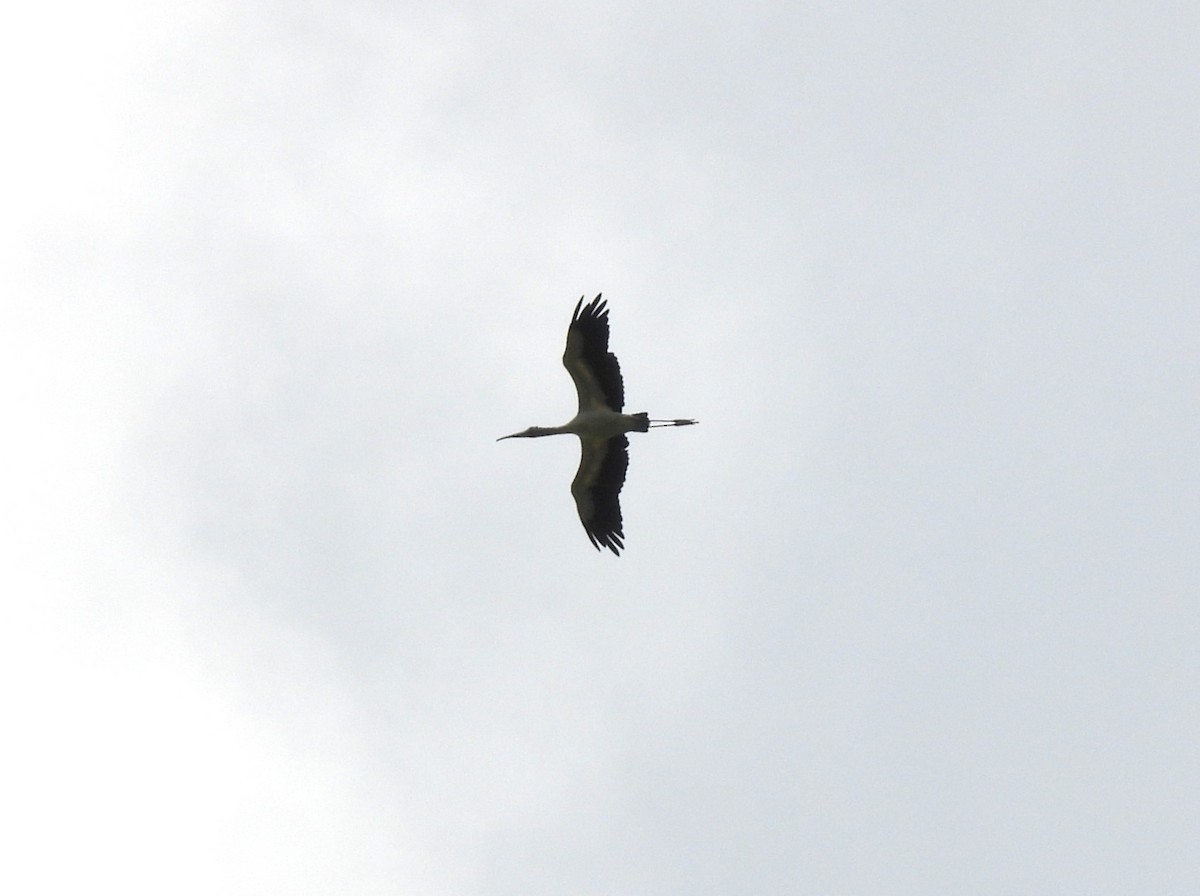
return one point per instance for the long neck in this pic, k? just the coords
(536, 432)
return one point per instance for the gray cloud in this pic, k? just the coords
(911, 611)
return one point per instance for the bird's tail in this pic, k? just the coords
(642, 420)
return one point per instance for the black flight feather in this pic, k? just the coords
(589, 333)
(604, 526)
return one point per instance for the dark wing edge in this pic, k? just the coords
(597, 490)
(592, 366)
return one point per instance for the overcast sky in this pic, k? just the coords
(914, 610)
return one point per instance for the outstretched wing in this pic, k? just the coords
(597, 490)
(592, 366)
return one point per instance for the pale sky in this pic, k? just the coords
(914, 610)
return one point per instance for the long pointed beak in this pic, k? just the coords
(513, 436)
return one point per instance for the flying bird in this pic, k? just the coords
(600, 425)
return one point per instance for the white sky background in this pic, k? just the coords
(914, 610)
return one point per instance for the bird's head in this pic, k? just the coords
(532, 433)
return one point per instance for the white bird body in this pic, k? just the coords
(600, 425)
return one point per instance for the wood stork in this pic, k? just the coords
(600, 425)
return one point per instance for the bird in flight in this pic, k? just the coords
(600, 425)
